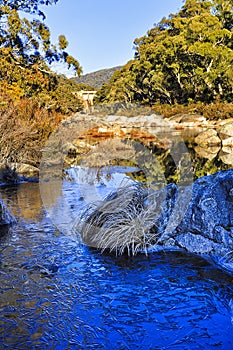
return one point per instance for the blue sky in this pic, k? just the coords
(101, 33)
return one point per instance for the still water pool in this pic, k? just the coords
(58, 294)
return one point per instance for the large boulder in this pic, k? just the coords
(226, 134)
(210, 212)
(207, 225)
(197, 218)
(226, 155)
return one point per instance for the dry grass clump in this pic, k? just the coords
(124, 223)
(9, 175)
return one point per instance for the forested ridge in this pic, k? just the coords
(98, 78)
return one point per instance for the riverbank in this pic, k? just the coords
(207, 128)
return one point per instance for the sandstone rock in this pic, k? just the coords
(226, 130)
(26, 169)
(226, 155)
(228, 142)
(193, 119)
(190, 120)
(226, 134)
(208, 138)
(176, 118)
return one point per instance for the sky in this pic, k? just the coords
(101, 32)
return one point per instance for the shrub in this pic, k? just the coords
(24, 128)
(212, 111)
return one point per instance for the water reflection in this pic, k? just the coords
(157, 159)
(207, 152)
(23, 200)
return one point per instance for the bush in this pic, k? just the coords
(212, 111)
(24, 128)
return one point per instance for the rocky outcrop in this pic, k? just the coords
(207, 226)
(196, 218)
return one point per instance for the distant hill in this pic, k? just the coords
(96, 79)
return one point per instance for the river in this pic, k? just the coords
(56, 293)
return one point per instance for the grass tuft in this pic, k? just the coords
(125, 222)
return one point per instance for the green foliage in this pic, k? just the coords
(120, 87)
(33, 99)
(26, 51)
(28, 41)
(185, 57)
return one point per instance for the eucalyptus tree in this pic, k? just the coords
(185, 57)
(26, 52)
(27, 42)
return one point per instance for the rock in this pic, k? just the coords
(226, 134)
(207, 225)
(176, 118)
(26, 169)
(208, 138)
(197, 218)
(195, 243)
(193, 119)
(226, 130)
(188, 120)
(226, 155)
(5, 216)
(227, 142)
(211, 205)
